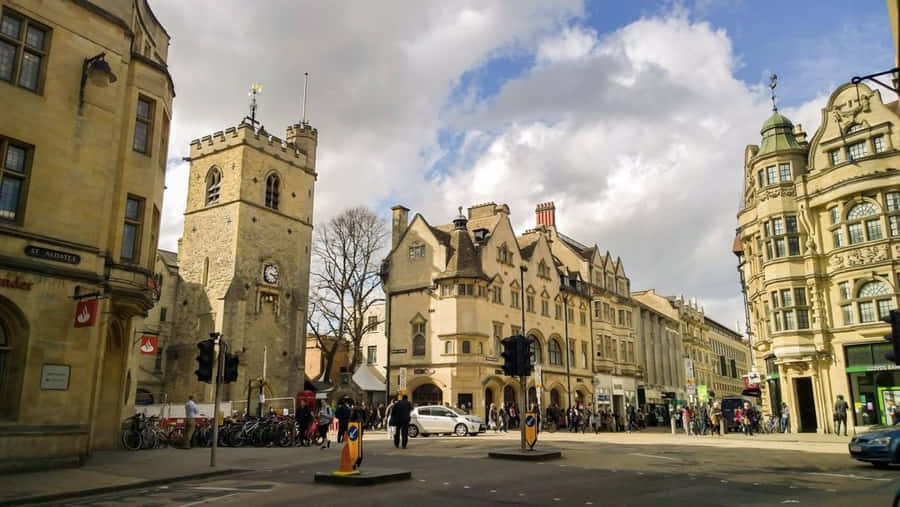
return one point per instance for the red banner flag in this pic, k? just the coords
(86, 313)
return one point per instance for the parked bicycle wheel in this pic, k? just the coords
(131, 440)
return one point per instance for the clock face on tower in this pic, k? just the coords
(270, 274)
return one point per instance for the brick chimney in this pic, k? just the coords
(545, 214)
(399, 223)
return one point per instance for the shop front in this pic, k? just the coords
(874, 384)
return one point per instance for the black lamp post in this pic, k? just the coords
(101, 74)
(568, 354)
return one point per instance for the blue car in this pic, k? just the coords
(880, 447)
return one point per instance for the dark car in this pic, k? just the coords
(880, 447)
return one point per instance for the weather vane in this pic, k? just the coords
(773, 82)
(254, 89)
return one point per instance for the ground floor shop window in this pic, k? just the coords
(427, 394)
(874, 384)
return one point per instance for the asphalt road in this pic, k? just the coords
(456, 472)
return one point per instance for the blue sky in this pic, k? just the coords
(631, 115)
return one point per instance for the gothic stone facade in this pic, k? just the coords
(243, 260)
(819, 244)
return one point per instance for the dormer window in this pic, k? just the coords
(543, 270)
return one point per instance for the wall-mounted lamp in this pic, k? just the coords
(98, 70)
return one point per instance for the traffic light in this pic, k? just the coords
(231, 368)
(510, 355)
(894, 320)
(205, 361)
(524, 356)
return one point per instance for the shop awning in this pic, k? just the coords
(368, 378)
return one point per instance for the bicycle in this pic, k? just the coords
(132, 430)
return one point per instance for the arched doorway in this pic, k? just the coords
(112, 397)
(555, 397)
(532, 397)
(509, 395)
(13, 344)
(427, 394)
(580, 398)
(488, 399)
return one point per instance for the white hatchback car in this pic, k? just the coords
(435, 419)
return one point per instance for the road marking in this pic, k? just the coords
(756, 484)
(556, 499)
(589, 503)
(421, 480)
(446, 484)
(848, 476)
(521, 494)
(831, 490)
(465, 487)
(493, 491)
(790, 501)
(723, 480)
(792, 487)
(653, 456)
(208, 500)
(215, 488)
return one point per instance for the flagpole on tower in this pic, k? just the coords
(305, 92)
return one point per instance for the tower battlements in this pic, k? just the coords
(301, 140)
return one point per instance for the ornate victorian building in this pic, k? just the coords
(454, 291)
(819, 246)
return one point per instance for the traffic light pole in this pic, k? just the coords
(523, 408)
(220, 356)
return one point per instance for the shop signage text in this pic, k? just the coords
(51, 255)
(16, 283)
(398, 351)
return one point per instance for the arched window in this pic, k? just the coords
(13, 338)
(427, 394)
(467, 347)
(418, 345)
(859, 225)
(875, 301)
(213, 185)
(554, 352)
(272, 191)
(448, 347)
(535, 349)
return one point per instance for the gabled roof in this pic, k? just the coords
(170, 259)
(582, 250)
(464, 261)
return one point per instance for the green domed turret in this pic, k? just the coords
(777, 134)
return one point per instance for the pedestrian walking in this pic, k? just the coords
(493, 418)
(304, 420)
(190, 422)
(785, 418)
(716, 417)
(840, 415)
(343, 416)
(326, 415)
(400, 419)
(504, 419)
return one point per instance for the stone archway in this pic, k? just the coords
(509, 395)
(427, 394)
(13, 346)
(112, 385)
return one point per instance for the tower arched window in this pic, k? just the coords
(874, 301)
(863, 223)
(554, 352)
(273, 184)
(213, 185)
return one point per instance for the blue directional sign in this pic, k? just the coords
(353, 432)
(530, 420)
(530, 428)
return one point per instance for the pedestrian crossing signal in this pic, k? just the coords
(510, 356)
(205, 360)
(231, 368)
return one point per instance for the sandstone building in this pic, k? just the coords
(86, 98)
(454, 291)
(818, 246)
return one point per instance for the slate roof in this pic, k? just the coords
(170, 259)
(464, 260)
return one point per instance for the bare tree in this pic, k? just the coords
(345, 282)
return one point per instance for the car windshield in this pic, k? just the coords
(458, 411)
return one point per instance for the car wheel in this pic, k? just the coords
(461, 430)
(413, 431)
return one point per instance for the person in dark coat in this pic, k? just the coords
(400, 419)
(304, 420)
(343, 416)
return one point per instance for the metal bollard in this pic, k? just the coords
(723, 428)
(672, 421)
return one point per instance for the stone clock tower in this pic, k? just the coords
(244, 258)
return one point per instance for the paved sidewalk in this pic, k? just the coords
(120, 469)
